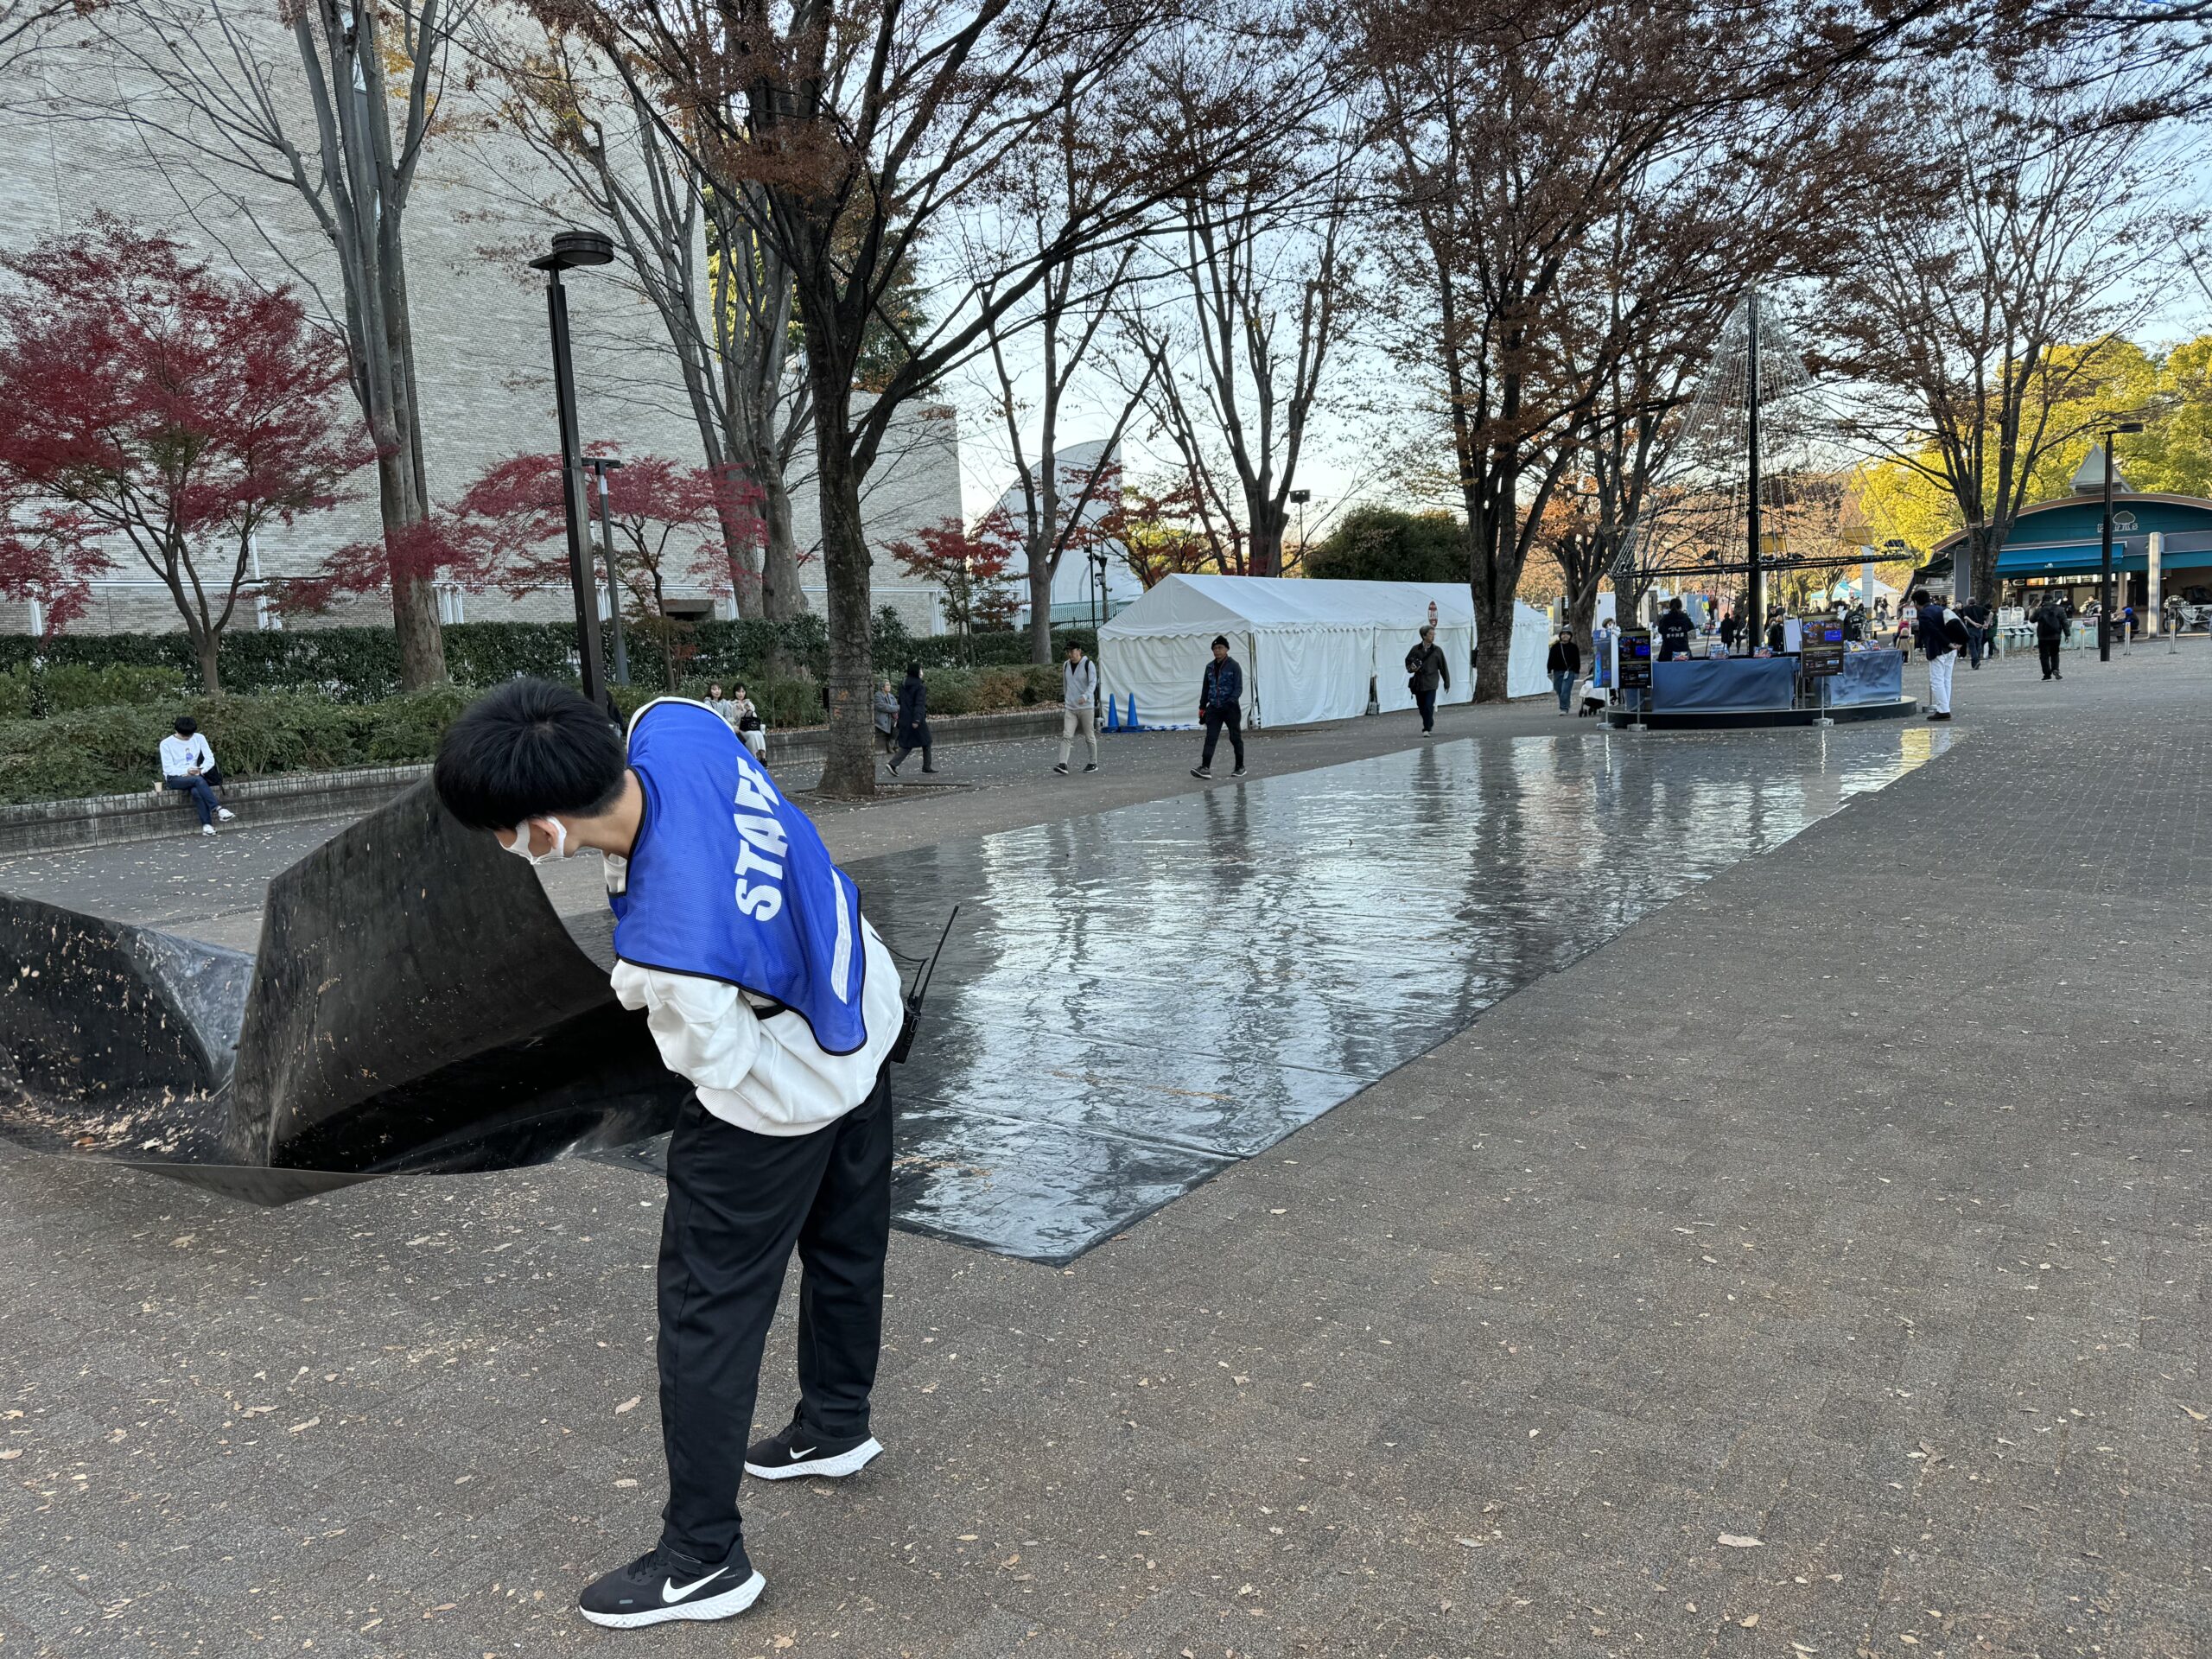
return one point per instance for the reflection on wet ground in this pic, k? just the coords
(1133, 1001)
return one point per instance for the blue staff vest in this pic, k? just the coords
(728, 880)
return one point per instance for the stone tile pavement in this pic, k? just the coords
(1852, 1203)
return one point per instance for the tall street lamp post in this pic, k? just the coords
(571, 249)
(1298, 499)
(2104, 567)
(600, 467)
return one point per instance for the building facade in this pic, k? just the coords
(481, 207)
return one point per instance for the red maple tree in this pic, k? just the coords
(972, 566)
(508, 533)
(147, 402)
(1163, 530)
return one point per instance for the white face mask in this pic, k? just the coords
(521, 848)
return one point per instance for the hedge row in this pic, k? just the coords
(113, 749)
(361, 666)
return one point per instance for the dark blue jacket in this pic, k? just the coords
(1933, 640)
(1223, 686)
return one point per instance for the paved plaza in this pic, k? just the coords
(1638, 1194)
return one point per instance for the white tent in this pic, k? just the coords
(1309, 648)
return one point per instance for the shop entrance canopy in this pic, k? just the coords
(1310, 649)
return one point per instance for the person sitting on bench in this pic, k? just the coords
(189, 764)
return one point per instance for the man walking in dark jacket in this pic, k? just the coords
(2051, 632)
(1425, 667)
(1218, 692)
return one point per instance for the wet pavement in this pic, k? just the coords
(1134, 999)
(1796, 1273)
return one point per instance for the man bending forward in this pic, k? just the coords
(767, 991)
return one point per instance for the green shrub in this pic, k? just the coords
(407, 727)
(284, 732)
(64, 688)
(787, 702)
(18, 692)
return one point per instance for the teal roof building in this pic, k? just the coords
(2059, 541)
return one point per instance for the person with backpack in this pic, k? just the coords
(1078, 708)
(1425, 669)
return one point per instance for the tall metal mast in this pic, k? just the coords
(1757, 595)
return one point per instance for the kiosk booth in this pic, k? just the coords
(1825, 679)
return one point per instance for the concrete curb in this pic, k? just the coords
(298, 797)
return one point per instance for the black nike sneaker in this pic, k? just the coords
(795, 1451)
(661, 1586)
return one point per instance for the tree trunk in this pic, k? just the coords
(207, 646)
(1263, 556)
(1582, 615)
(849, 771)
(744, 581)
(781, 597)
(422, 642)
(1984, 546)
(1493, 605)
(1040, 601)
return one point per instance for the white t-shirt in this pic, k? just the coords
(180, 755)
(765, 1074)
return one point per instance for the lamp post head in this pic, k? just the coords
(1300, 497)
(2126, 426)
(575, 248)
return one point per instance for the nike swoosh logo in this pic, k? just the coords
(797, 1453)
(670, 1595)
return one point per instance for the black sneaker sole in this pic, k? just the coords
(836, 1468)
(727, 1604)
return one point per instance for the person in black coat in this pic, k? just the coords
(914, 719)
(1563, 664)
(2050, 634)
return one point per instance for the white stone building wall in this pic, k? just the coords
(482, 357)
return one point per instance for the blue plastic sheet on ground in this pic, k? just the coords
(1723, 684)
(1868, 676)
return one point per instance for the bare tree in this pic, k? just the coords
(2046, 237)
(323, 129)
(1267, 296)
(850, 133)
(1514, 141)
(1051, 344)
(723, 296)
(25, 26)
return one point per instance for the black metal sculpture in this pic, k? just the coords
(416, 1004)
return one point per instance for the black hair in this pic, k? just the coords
(185, 725)
(528, 749)
(913, 671)
(1221, 639)
(1920, 596)
(1674, 604)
